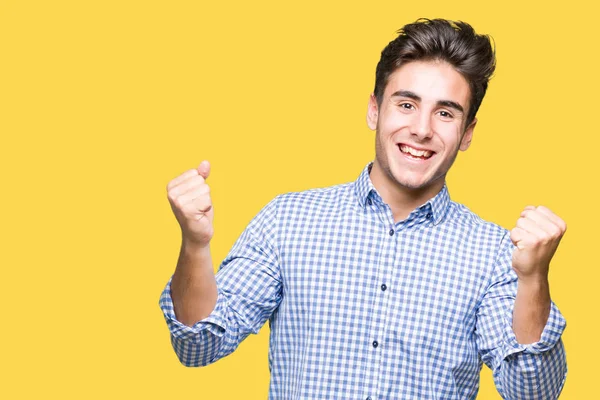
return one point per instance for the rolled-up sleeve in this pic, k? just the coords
(532, 371)
(249, 290)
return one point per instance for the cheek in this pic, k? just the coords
(391, 123)
(450, 134)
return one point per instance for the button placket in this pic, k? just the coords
(381, 305)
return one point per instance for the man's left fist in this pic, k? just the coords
(537, 235)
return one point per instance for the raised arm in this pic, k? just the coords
(537, 235)
(193, 286)
(210, 315)
(518, 327)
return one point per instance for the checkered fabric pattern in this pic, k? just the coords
(361, 307)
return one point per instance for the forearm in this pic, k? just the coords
(522, 327)
(193, 287)
(531, 309)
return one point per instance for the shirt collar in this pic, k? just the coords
(437, 204)
(363, 185)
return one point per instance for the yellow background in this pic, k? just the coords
(103, 102)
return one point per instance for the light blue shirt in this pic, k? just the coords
(361, 307)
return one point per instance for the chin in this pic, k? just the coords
(414, 185)
(419, 184)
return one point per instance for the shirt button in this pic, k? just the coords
(375, 344)
(391, 232)
(369, 398)
(383, 287)
(429, 215)
(369, 202)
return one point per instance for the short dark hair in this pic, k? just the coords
(454, 42)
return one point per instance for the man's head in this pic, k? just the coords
(429, 85)
(440, 40)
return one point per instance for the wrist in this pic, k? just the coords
(533, 281)
(535, 290)
(532, 274)
(192, 246)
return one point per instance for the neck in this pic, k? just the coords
(401, 199)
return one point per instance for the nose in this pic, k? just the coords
(421, 126)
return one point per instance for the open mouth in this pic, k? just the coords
(415, 154)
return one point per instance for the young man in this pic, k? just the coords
(382, 288)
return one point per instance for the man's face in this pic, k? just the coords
(420, 125)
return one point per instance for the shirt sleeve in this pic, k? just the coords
(249, 290)
(521, 371)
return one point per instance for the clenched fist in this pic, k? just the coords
(189, 196)
(537, 235)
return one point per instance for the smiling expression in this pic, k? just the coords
(420, 127)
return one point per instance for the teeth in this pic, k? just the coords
(415, 152)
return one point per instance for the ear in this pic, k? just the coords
(372, 112)
(465, 142)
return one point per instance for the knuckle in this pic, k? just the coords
(544, 208)
(196, 186)
(194, 182)
(172, 183)
(203, 201)
(170, 196)
(187, 174)
(177, 202)
(173, 189)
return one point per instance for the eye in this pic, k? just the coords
(445, 114)
(406, 106)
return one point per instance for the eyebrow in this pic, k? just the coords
(416, 97)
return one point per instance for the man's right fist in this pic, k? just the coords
(189, 196)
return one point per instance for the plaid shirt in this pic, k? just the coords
(361, 307)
